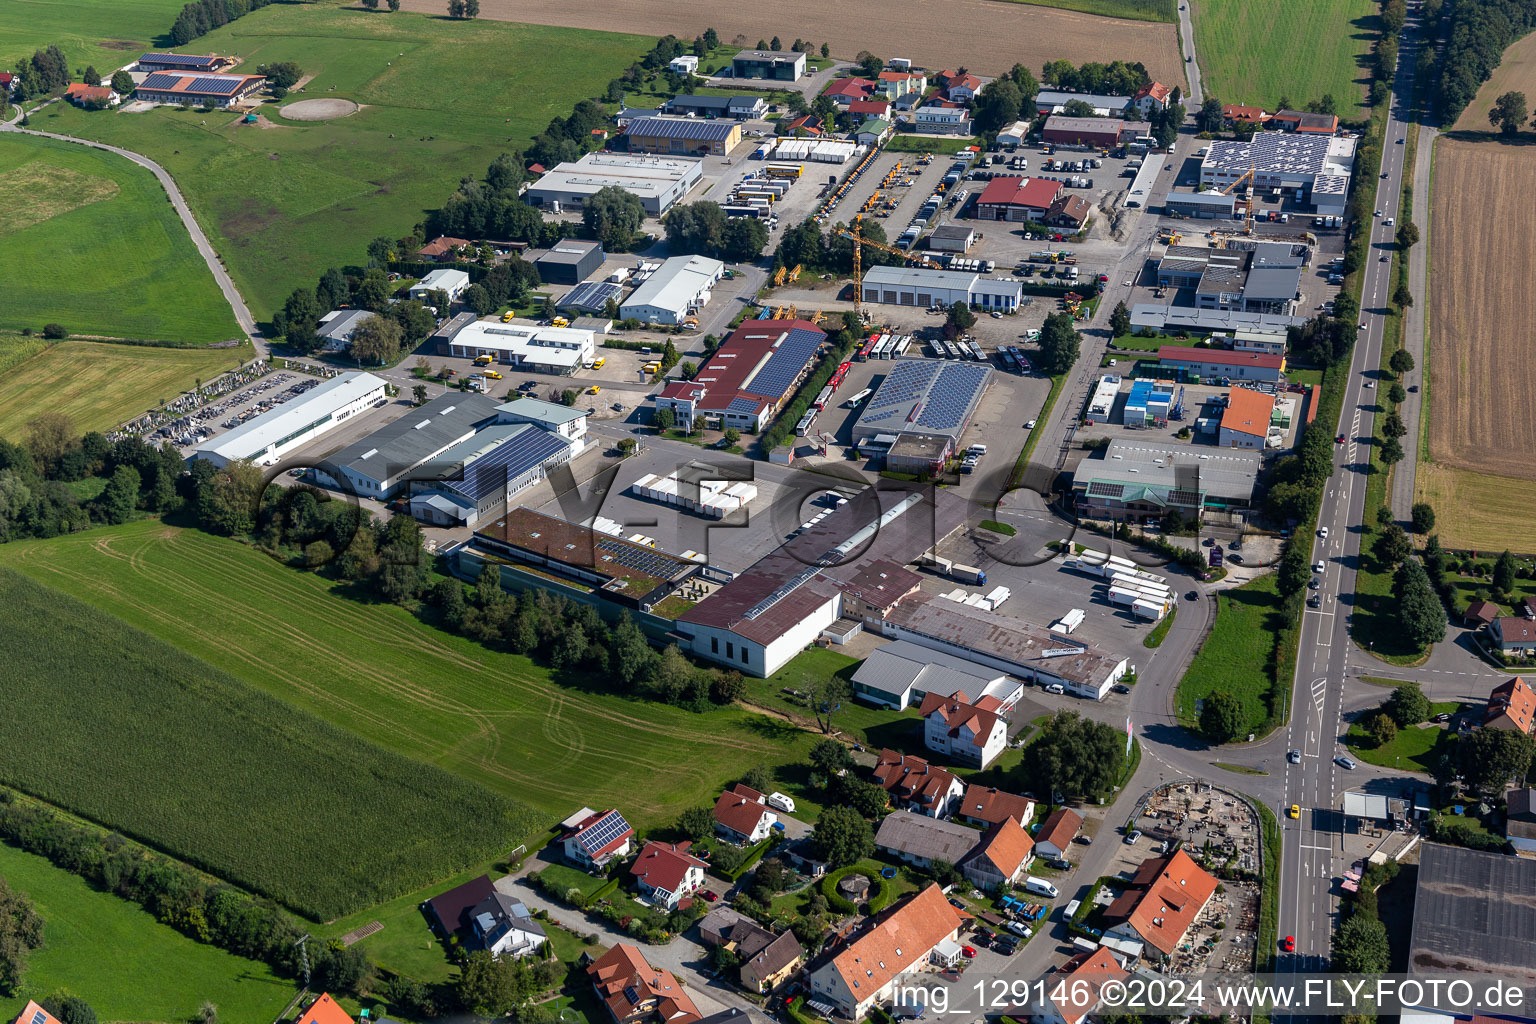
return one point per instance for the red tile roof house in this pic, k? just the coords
(634, 991)
(915, 785)
(80, 95)
(1480, 613)
(441, 249)
(844, 91)
(810, 124)
(32, 1013)
(1162, 901)
(964, 88)
(1150, 97)
(966, 734)
(1070, 212)
(1057, 831)
(742, 815)
(893, 84)
(1236, 113)
(666, 872)
(1512, 705)
(593, 839)
(863, 110)
(1001, 857)
(981, 806)
(1016, 199)
(1074, 993)
(324, 1010)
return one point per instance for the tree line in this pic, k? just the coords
(1475, 39)
(200, 17)
(703, 228)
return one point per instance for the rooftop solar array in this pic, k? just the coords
(791, 357)
(681, 128)
(1105, 490)
(953, 395)
(1270, 153)
(925, 396)
(592, 295)
(742, 405)
(205, 85)
(637, 558)
(604, 831)
(524, 451)
(180, 60)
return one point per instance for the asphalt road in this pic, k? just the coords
(1195, 94)
(1310, 860)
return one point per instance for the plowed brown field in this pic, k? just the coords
(1481, 281)
(982, 35)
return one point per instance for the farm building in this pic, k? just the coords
(745, 381)
(525, 346)
(187, 63)
(1200, 205)
(1313, 168)
(1245, 420)
(267, 438)
(738, 107)
(657, 182)
(1051, 101)
(188, 89)
(89, 95)
(1017, 199)
(1095, 132)
(445, 280)
(920, 840)
(1213, 364)
(682, 136)
(569, 261)
(1147, 479)
(777, 65)
(900, 286)
(922, 396)
(680, 287)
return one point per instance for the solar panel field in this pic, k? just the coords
(439, 99)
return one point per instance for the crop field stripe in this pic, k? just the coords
(1134, 10)
(495, 718)
(1257, 52)
(220, 774)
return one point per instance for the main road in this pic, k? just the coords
(1309, 862)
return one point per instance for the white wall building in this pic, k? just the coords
(451, 281)
(964, 733)
(908, 286)
(267, 438)
(558, 350)
(945, 120)
(681, 286)
(570, 424)
(687, 64)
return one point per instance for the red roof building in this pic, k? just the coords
(866, 109)
(742, 814)
(1162, 901)
(844, 91)
(1016, 199)
(1238, 113)
(441, 248)
(634, 991)
(988, 806)
(1069, 212)
(667, 872)
(1512, 705)
(1075, 993)
(324, 1010)
(750, 376)
(1057, 832)
(597, 838)
(32, 1013)
(1001, 857)
(1152, 96)
(963, 87)
(80, 94)
(810, 124)
(916, 785)
(863, 972)
(1306, 122)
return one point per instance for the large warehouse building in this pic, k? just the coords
(1262, 277)
(679, 287)
(659, 183)
(1183, 363)
(526, 346)
(380, 464)
(913, 286)
(1097, 132)
(199, 88)
(748, 378)
(569, 261)
(683, 136)
(923, 397)
(778, 65)
(267, 438)
(1147, 479)
(1312, 168)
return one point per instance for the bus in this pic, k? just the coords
(790, 171)
(854, 400)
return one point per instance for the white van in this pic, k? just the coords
(1040, 887)
(781, 802)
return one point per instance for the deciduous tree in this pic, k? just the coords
(1509, 112)
(1221, 717)
(1407, 705)
(375, 341)
(842, 836)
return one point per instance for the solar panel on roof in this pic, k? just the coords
(604, 831)
(643, 560)
(216, 86)
(160, 80)
(1104, 490)
(519, 454)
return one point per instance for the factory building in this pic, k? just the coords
(525, 346)
(1092, 132)
(683, 136)
(1184, 363)
(1017, 199)
(923, 398)
(910, 286)
(659, 183)
(569, 261)
(1210, 205)
(777, 65)
(679, 288)
(267, 438)
(748, 378)
(1144, 480)
(1310, 168)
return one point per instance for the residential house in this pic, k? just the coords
(324, 1010)
(90, 95)
(767, 960)
(942, 118)
(1002, 856)
(963, 88)
(1520, 824)
(1479, 613)
(805, 124)
(503, 926)
(666, 872)
(31, 1013)
(1150, 97)
(920, 840)
(867, 110)
(1069, 212)
(337, 327)
(914, 784)
(969, 734)
(1236, 115)
(451, 281)
(989, 806)
(450, 912)
(634, 992)
(742, 815)
(1305, 122)
(684, 64)
(1512, 705)
(1164, 898)
(593, 839)
(1528, 607)
(442, 249)
(844, 91)
(892, 84)
(1075, 990)
(1513, 633)
(1057, 832)
(866, 970)
(8, 85)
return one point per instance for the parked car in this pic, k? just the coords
(1133, 837)
(1122, 688)
(1085, 840)
(1443, 716)
(1055, 688)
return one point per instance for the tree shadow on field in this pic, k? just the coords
(1519, 139)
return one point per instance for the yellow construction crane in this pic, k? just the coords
(1249, 177)
(859, 241)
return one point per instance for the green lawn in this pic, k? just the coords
(1303, 49)
(440, 100)
(123, 962)
(375, 670)
(98, 384)
(1236, 657)
(104, 33)
(1139, 344)
(104, 252)
(1416, 748)
(928, 144)
(1136, 10)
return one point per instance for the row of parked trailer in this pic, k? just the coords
(755, 194)
(1144, 594)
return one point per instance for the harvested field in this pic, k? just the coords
(1476, 511)
(1481, 378)
(1517, 72)
(985, 36)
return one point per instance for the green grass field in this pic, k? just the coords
(1135, 10)
(104, 252)
(168, 749)
(495, 718)
(440, 100)
(97, 384)
(1303, 49)
(104, 33)
(1236, 656)
(1416, 748)
(123, 962)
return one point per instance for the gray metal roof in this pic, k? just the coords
(1270, 153)
(1227, 473)
(568, 250)
(1215, 199)
(918, 835)
(902, 665)
(1160, 317)
(343, 322)
(1472, 915)
(1058, 97)
(687, 128)
(1278, 284)
(953, 231)
(418, 435)
(539, 410)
